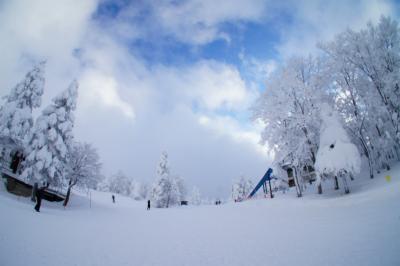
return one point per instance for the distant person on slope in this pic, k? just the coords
(113, 198)
(148, 204)
(39, 196)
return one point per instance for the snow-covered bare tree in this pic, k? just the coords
(180, 187)
(84, 168)
(366, 66)
(16, 119)
(120, 184)
(289, 109)
(241, 188)
(195, 196)
(52, 140)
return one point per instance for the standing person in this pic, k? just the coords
(15, 162)
(113, 198)
(39, 195)
(148, 204)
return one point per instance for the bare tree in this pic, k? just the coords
(84, 167)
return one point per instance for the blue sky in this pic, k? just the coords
(175, 76)
(254, 38)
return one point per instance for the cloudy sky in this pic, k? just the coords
(175, 76)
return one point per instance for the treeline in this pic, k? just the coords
(357, 73)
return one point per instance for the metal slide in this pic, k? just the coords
(266, 177)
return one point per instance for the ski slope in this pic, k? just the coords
(362, 228)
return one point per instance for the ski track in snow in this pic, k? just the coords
(362, 228)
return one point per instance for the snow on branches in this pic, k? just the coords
(337, 155)
(167, 189)
(16, 118)
(52, 139)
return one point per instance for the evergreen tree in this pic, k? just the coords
(16, 118)
(52, 140)
(168, 189)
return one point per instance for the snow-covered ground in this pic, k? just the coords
(362, 228)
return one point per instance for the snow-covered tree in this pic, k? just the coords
(52, 140)
(168, 189)
(195, 196)
(143, 191)
(365, 65)
(180, 187)
(16, 119)
(163, 165)
(84, 167)
(337, 156)
(162, 192)
(241, 188)
(289, 109)
(120, 184)
(139, 190)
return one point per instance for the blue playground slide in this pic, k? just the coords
(266, 177)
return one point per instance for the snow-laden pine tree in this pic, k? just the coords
(168, 189)
(16, 119)
(337, 156)
(241, 188)
(51, 142)
(195, 197)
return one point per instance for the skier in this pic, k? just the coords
(148, 204)
(113, 198)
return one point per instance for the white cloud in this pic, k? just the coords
(37, 30)
(257, 70)
(99, 86)
(226, 126)
(209, 84)
(321, 20)
(200, 21)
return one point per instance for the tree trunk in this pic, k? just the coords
(270, 189)
(34, 189)
(70, 185)
(298, 189)
(368, 154)
(67, 196)
(336, 183)
(320, 189)
(168, 200)
(346, 187)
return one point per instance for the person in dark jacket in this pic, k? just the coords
(148, 204)
(113, 198)
(39, 195)
(15, 162)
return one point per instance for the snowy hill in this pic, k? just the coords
(362, 228)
